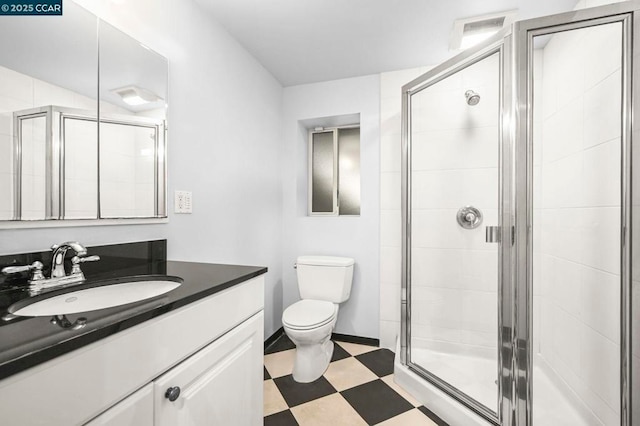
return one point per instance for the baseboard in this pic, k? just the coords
(334, 336)
(279, 332)
(355, 339)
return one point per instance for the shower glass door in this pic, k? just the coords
(452, 173)
(577, 179)
(518, 208)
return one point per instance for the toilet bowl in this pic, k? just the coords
(309, 324)
(324, 282)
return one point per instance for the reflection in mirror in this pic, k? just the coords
(127, 177)
(32, 166)
(133, 93)
(37, 75)
(80, 166)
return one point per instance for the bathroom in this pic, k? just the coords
(237, 140)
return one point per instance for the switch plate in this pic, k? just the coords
(182, 202)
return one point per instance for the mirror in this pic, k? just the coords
(73, 146)
(133, 93)
(34, 76)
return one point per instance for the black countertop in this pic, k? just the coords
(29, 341)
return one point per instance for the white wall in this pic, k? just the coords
(224, 145)
(355, 237)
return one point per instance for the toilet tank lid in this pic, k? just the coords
(325, 261)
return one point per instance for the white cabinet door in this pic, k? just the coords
(134, 410)
(219, 385)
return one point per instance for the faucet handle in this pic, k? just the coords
(77, 260)
(36, 267)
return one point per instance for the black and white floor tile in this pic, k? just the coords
(357, 389)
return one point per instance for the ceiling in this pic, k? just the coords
(306, 41)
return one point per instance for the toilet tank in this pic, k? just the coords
(325, 277)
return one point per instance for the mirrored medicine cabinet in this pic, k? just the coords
(82, 122)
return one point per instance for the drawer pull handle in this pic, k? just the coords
(172, 393)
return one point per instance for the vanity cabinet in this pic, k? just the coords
(136, 409)
(211, 349)
(217, 385)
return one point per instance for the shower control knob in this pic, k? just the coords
(469, 217)
(172, 393)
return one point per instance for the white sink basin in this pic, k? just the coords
(95, 298)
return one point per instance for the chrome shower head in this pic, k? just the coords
(472, 97)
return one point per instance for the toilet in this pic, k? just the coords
(324, 282)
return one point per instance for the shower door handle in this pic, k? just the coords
(493, 234)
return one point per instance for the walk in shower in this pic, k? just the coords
(517, 225)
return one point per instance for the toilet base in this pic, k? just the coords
(312, 361)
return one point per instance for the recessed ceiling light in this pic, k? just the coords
(471, 31)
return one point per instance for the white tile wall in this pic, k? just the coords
(130, 172)
(80, 174)
(390, 259)
(15, 85)
(33, 168)
(577, 212)
(6, 176)
(390, 220)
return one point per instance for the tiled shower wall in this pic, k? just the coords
(390, 221)
(577, 215)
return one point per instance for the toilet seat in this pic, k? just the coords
(309, 314)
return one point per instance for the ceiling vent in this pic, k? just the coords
(134, 95)
(471, 31)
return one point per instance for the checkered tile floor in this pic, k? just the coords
(357, 389)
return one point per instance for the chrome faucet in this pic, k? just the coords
(59, 253)
(59, 277)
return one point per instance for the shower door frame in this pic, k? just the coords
(499, 44)
(515, 277)
(627, 14)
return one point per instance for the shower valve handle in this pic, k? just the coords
(469, 217)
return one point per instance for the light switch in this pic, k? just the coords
(182, 202)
